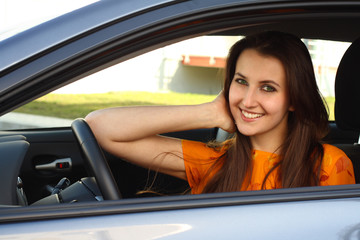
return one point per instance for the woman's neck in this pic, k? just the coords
(268, 142)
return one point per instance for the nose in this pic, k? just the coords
(250, 99)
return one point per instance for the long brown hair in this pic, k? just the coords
(301, 153)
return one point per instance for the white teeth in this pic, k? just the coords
(251, 115)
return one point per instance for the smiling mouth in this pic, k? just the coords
(251, 115)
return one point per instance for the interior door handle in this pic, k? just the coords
(56, 165)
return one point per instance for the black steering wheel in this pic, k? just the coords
(96, 159)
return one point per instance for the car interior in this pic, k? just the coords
(347, 119)
(52, 165)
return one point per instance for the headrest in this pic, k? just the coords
(347, 89)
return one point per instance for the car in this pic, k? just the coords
(58, 183)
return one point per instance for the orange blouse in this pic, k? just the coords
(336, 167)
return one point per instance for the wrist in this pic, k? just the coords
(222, 117)
(214, 115)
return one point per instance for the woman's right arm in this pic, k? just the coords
(131, 133)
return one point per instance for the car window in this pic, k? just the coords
(187, 72)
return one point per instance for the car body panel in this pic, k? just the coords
(299, 213)
(255, 221)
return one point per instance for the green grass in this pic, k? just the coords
(331, 104)
(79, 105)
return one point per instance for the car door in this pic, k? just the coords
(303, 213)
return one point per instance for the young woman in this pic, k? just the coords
(272, 104)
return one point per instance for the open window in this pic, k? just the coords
(187, 72)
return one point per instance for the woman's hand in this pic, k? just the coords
(224, 117)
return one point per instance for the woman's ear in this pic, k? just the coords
(291, 109)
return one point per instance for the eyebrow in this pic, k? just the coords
(270, 81)
(240, 75)
(263, 82)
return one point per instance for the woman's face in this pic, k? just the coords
(258, 97)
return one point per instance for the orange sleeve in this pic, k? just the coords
(198, 159)
(337, 168)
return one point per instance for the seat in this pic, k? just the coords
(347, 95)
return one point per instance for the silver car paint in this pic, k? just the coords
(325, 219)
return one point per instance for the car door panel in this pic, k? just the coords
(45, 146)
(256, 220)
